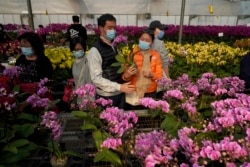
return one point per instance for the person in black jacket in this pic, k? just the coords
(33, 62)
(101, 55)
(245, 70)
(2, 34)
(77, 30)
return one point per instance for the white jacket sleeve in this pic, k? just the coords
(160, 47)
(95, 68)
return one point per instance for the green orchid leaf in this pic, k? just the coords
(99, 137)
(10, 148)
(28, 117)
(206, 135)
(8, 157)
(24, 130)
(116, 64)
(88, 126)
(120, 59)
(99, 156)
(20, 142)
(206, 112)
(121, 70)
(16, 88)
(10, 134)
(53, 103)
(79, 114)
(108, 156)
(131, 59)
(113, 157)
(15, 145)
(171, 124)
(30, 147)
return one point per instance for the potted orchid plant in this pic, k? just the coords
(125, 57)
(207, 124)
(59, 156)
(111, 127)
(43, 120)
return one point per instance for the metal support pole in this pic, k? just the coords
(31, 21)
(181, 20)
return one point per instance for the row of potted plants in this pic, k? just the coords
(190, 33)
(203, 122)
(220, 58)
(28, 122)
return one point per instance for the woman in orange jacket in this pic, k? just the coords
(147, 68)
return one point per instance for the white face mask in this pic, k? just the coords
(110, 34)
(143, 45)
(160, 35)
(78, 53)
(27, 51)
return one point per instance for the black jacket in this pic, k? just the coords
(108, 57)
(245, 70)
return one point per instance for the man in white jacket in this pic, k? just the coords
(159, 44)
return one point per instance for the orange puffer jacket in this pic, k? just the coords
(155, 66)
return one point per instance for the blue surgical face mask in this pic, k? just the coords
(110, 34)
(27, 51)
(144, 45)
(160, 35)
(78, 53)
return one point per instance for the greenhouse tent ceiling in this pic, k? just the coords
(159, 7)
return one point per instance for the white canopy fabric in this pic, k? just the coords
(127, 12)
(159, 7)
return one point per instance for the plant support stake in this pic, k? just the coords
(30, 18)
(181, 20)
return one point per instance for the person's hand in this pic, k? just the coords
(127, 88)
(130, 71)
(148, 74)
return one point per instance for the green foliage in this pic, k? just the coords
(24, 130)
(61, 74)
(108, 156)
(93, 122)
(171, 124)
(121, 59)
(99, 137)
(15, 151)
(88, 126)
(28, 117)
(15, 144)
(124, 61)
(55, 148)
(79, 114)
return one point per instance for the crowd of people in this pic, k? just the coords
(150, 57)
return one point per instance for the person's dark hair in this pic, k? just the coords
(40, 26)
(149, 32)
(35, 42)
(101, 21)
(157, 24)
(75, 41)
(2, 27)
(75, 18)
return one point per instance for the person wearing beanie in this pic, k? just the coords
(159, 45)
